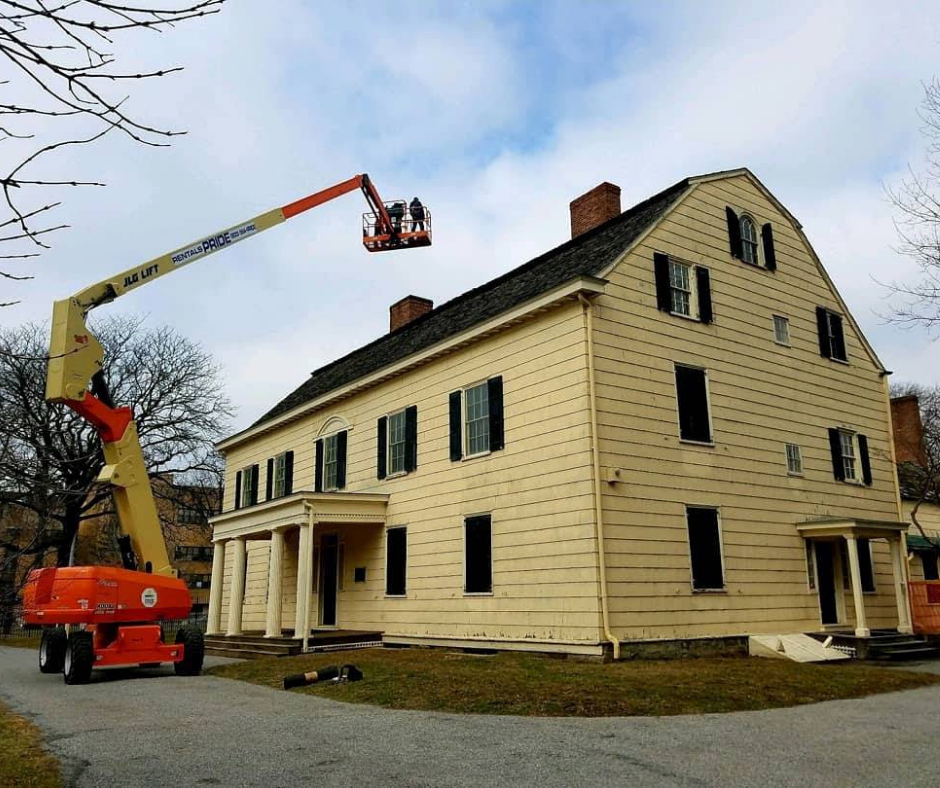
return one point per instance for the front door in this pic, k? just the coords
(826, 582)
(329, 557)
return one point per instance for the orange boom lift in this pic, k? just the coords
(117, 611)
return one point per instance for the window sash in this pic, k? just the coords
(477, 408)
(280, 474)
(330, 463)
(396, 442)
(794, 459)
(248, 478)
(781, 330)
(680, 287)
(748, 241)
(847, 441)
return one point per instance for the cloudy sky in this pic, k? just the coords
(496, 115)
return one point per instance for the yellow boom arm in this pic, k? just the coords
(75, 361)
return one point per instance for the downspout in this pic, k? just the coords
(587, 312)
(308, 580)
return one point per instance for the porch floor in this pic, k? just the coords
(882, 644)
(254, 645)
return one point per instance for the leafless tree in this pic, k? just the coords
(51, 459)
(917, 202)
(61, 88)
(919, 455)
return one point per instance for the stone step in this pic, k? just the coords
(913, 652)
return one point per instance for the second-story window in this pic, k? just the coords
(397, 443)
(477, 439)
(831, 337)
(280, 476)
(246, 487)
(476, 419)
(781, 330)
(330, 471)
(330, 458)
(692, 396)
(682, 288)
(850, 459)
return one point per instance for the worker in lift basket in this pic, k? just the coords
(396, 212)
(417, 215)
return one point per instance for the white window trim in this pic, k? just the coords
(327, 487)
(809, 554)
(694, 312)
(463, 529)
(799, 456)
(708, 405)
(773, 321)
(389, 473)
(396, 528)
(464, 442)
(758, 252)
(247, 474)
(721, 550)
(858, 480)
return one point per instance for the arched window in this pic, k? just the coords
(748, 241)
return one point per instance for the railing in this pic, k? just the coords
(402, 220)
(925, 606)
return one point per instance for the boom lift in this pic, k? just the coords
(119, 610)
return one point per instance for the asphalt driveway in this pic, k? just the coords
(151, 728)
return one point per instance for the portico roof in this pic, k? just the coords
(300, 508)
(852, 526)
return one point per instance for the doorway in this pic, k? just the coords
(329, 566)
(826, 582)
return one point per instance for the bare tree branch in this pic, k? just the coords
(55, 50)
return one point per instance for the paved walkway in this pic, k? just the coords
(160, 729)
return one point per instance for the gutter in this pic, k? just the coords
(588, 313)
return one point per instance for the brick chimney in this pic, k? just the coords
(594, 207)
(908, 431)
(401, 313)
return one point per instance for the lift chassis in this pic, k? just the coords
(114, 614)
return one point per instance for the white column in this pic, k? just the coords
(900, 586)
(303, 568)
(861, 626)
(275, 562)
(237, 596)
(214, 623)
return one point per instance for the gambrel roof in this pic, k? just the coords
(588, 254)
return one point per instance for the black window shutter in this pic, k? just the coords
(866, 460)
(456, 444)
(288, 473)
(663, 288)
(254, 484)
(734, 234)
(705, 549)
(703, 280)
(341, 440)
(381, 447)
(318, 472)
(411, 438)
(238, 490)
(835, 447)
(494, 388)
(822, 328)
(838, 338)
(693, 404)
(770, 256)
(269, 484)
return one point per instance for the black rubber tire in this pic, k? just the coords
(194, 652)
(52, 650)
(79, 658)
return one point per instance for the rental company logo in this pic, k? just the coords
(213, 243)
(148, 597)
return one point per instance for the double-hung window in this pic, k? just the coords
(246, 487)
(794, 460)
(397, 448)
(850, 458)
(831, 336)
(330, 471)
(280, 476)
(742, 235)
(476, 419)
(781, 330)
(682, 288)
(749, 241)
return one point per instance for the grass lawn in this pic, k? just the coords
(527, 684)
(20, 642)
(23, 761)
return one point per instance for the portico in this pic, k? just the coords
(294, 519)
(822, 534)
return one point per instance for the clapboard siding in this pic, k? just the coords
(537, 490)
(762, 396)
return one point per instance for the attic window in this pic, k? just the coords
(748, 240)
